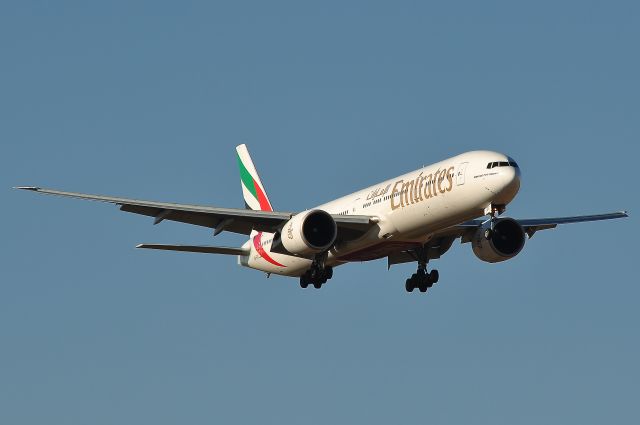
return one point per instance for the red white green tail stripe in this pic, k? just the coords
(255, 197)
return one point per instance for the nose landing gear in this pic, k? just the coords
(492, 211)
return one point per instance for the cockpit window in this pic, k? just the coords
(502, 164)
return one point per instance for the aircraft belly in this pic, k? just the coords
(379, 250)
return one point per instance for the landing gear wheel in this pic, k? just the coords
(422, 280)
(329, 273)
(424, 285)
(318, 273)
(304, 281)
(434, 276)
(409, 285)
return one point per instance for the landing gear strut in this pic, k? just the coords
(492, 211)
(421, 279)
(318, 274)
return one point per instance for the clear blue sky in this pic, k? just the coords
(149, 99)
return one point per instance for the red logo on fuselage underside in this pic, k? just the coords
(257, 244)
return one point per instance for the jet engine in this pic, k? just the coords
(309, 232)
(504, 242)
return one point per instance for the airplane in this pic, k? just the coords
(414, 217)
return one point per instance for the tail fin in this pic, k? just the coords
(255, 197)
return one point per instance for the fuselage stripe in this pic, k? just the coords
(257, 244)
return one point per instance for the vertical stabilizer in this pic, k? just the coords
(255, 197)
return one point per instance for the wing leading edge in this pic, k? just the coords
(532, 225)
(235, 220)
(442, 240)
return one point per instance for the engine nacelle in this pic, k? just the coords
(309, 232)
(506, 241)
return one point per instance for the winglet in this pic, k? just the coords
(33, 188)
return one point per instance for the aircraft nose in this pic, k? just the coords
(512, 179)
(507, 183)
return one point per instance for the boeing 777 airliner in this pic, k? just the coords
(415, 217)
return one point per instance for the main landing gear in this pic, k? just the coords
(317, 275)
(421, 279)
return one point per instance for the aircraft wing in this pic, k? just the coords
(234, 220)
(442, 240)
(532, 225)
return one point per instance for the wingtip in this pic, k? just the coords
(140, 245)
(32, 188)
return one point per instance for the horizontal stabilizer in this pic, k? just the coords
(226, 250)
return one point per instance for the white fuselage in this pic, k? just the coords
(408, 209)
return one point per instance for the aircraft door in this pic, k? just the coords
(462, 169)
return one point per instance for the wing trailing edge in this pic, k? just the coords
(205, 249)
(242, 221)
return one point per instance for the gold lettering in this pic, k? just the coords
(450, 173)
(407, 189)
(416, 190)
(393, 195)
(427, 188)
(441, 180)
(419, 188)
(436, 180)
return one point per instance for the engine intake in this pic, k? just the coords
(506, 241)
(309, 232)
